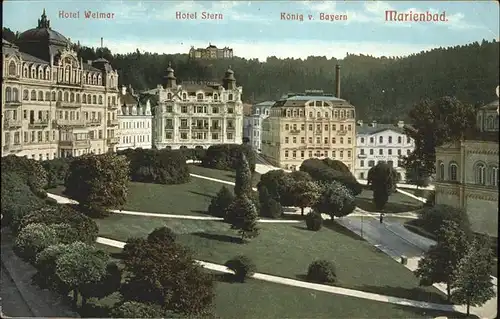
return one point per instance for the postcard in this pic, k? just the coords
(250, 159)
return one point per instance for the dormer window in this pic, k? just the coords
(199, 96)
(66, 96)
(169, 96)
(33, 73)
(40, 73)
(47, 74)
(184, 96)
(25, 72)
(230, 97)
(12, 68)
(318, 103)
(215, 97)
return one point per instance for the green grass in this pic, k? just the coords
(270, 300)
(228, 176)
(398, 203)
(285, 250)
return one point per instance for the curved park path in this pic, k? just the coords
(486, 311)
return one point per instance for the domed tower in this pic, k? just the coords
(229, 82)
(170, 81)
(42, 42)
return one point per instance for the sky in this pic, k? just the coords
(258, 29)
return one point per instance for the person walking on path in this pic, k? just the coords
(381, 218)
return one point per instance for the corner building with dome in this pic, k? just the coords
(197, 114)
(53, 103)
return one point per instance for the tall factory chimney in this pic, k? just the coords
(337, 81)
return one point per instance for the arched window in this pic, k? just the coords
(89, 99)
(89, 79)
(59, 96)
(47, 73)
(453, 172)
(25, 71)
(390, 139)
(230, 97)
(67, 71)
(490, 123)
(493, 175)
(72, 97)
(318, 114)
(15, 94)
(94, 99)
(8, 94)
(169, 96)
(381, 139)
(66, 96)
(100, 99)
(114, 100)
(84, 98)
(94, 81)
(480, 173)
(216, 97)
(99, 80)
(25, 95)
(12, 68)
(40, 73)
(40, 96)
(199, 96)
(33, 95)
(53, 95)
(47, 96)
(33, 72)
(77, 97)
(184, 96)
(441, 171)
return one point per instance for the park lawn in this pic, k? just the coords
(271, 300)
(398, 203)
(228, 176)
(284, 250)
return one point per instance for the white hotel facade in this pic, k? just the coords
(381, 142)
(252, 127)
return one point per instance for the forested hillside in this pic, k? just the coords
(381, 88)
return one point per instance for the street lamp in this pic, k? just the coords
(362, 218)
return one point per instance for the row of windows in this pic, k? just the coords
(381, 151)
(483, 174)
(12, 95)
(200, 97)
(326, 140)
(70, 74)
(317, 154)
(371, 163)
(46, 137)
(134, 139)
(66, 115)
(343, 114)
(134, 125)
(294, 127)
(199, 136)
(389, 140)
(490, 124)
(199, 124)
(198, 109)
(257, 112)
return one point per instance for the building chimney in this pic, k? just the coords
(337, 81)
(360, 123)
(401, 124)
(374, 123)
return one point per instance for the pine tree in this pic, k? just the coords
(219, 204)
(473, 286)
(242, 215)
(243, 182)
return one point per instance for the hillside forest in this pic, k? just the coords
(381, 88)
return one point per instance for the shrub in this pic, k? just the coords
(221, 202)
(269, 207)
(314, 221)
(329, 171)
(30, 171)
(157, 166)
(242, 215)
(57, 170)
(335, 200)
(85, 227)
(98, 182)
(322, 271)
(17, 199)
(278, 184)
(34, 238)
(50, 201)
(134, 309)
(227, 156)
(242, 266)
(196, 154)
(433, 218)
(163, 235)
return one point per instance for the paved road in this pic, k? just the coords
(12, 303)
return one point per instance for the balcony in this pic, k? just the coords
(13, 103)
(68, 105)
(183, 127)
(215, 128)
(94, 122)
(362, 155)
(112, 140)
(199, 128)
(294, 132)
(341, 132)
(38, 124)
(230, 128)
(69, 123)
(112, 107)
(10, 124)
(113, 122)
(78, 144)
(13, 148)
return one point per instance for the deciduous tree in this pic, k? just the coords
(335, 200)
(473, 286)
(305, 193)
(383, 179)
(34, 238)
(441, 260)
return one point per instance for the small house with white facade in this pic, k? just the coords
(252, 126)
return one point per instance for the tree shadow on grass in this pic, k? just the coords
(301, 227)
(218, 237)
(429, 313)
(301, 277)
(231, 175)
(224, 277)
(201, 194)
(390, 207)
(417, 293)
(292, 216)
(333, 225)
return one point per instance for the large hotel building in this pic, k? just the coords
(197, 115)
(54, 104)
(310, 125)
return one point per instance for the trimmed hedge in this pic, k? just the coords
(227, 156)
(242, 266)
(157, 166)
(322, 271)
(314, 221)
(328, 170)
